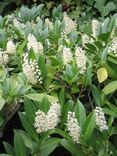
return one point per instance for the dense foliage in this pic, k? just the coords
(59, 66)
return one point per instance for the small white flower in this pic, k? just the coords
(48, 23)
(4, 58)
(36, 46)
(95, 24)
(40, 123)
(85, 39)
(10, 47)
(31, 70)
(113, 46)
(100, 119)
(67, 55)
(53, 116)
(44, 122)
(17, 24)
(70, 25)
(80, 60)
(73, 127)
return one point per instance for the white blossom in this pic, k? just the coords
(18, 24)
(73, 127)
(70, 25)
(53, 115)
(95, 24)
(32, 43)
(48, 23)
(40, 123)
(113, 46)
(31, 70)
(4, 58)
(80, 59)
(85, 39)
(10, 47)
(44, 122)
(67, 55)
(100, 119)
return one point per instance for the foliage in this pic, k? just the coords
(57, 61)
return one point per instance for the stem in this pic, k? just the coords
(8, 119)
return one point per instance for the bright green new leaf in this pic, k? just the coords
(111, 87)
(39, 97)
(102, 74)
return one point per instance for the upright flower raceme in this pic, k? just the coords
(4, 58)
(67, 55)
(80, 60)
(53, 115)
(100, 119)
(31, 70)
(73, 127)
(70, 25)
(48, 23)
(95, 24)
(85, 39)
(32, 43)
(17, 24)
(113, 46)
(40, 124)
(45, 122)
(10, 47)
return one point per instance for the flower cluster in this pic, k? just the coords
(48, 23)
(73, 127)
(40, 121)
(44, 122)
(113, 46)
(4, 58)
(67, 55)
(31, 70)
(53, 116)
(85, 39)
(10, 47)
(95, 24)
(100, 119)
(80, 59)
(70, 25)
(32, 43)
(17, 24)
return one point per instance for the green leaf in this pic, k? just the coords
(109, 88)
(44, 105)
(30, 110)
(26, 138)
(62, 96)
(19, 145)
(72, 148)
(80, 113)
(28, 127)
(66, 107)
(88, 74)
(108, 8)
(96, 94)
(48, 146)
(9, 149)
(42, 66)
(89, 126)
(39, 97)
